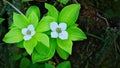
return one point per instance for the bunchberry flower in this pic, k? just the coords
(28, 32)
(59, 30)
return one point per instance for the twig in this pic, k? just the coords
(103, 18)
(76, 1)
(13, 7)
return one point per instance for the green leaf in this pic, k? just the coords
(24, 54)
(20, 21)
(13, 36)
(52, 11)
(1, 20)
(42, 49)
(65, 64)
(24, 63)
(26, 0)
(63, 54)
(13, 26)
(74, 25)
(49, 65)
(66, 45)
(16, 57)
(30, 45)
(44, 24)
(63, 1)
(69, 14)
(76, 33)
(34, 9)
(43, 53)
(40, 53)
(37, 65)
(20, 44)
(43, 38)
(33, 19)
(51, 49)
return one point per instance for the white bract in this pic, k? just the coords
(28, 32)
(59, 30)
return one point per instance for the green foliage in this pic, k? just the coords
(65, 64)
(34, 9)
(26, 0)
(16, 57)
(43, 53)
(76, 34)
(49, 65)
(63, 1)
(25, 63)
(33, 19)
(68, 15)
(45, 21)
(20, 22)
(30, 45)
(52, 11)
(33, 34)
(1, 20)
(43, 38)
(37, 65)
(66, 45)
(63, 54)
(13, 36)
(20, 44)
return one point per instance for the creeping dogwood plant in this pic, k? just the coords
(64, 30)
(41, 38)
(28, 30)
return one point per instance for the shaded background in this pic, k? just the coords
(99, 19)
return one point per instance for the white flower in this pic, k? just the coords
(59, 30)
(28, 32)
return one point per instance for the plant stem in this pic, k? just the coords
(95, 36)
(103, 19)
(13, 7)
(76, 1)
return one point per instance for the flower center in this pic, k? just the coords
(58, 30)
(28, 32)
